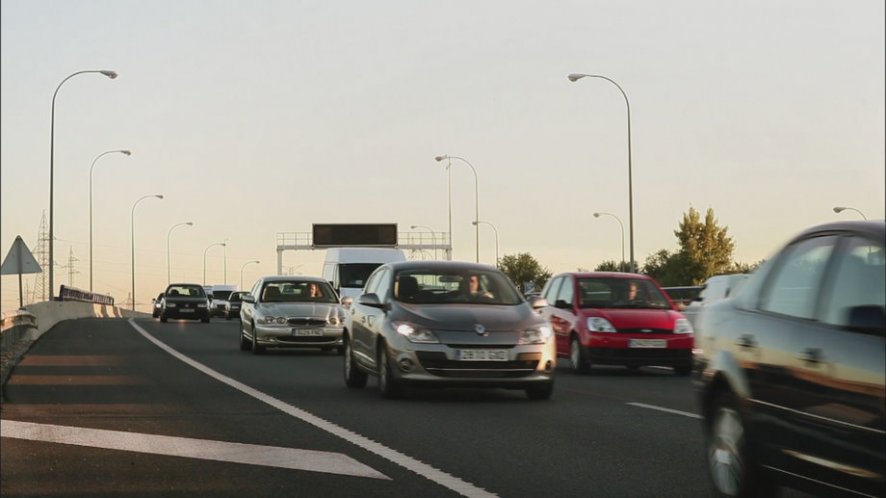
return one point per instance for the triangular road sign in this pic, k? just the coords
(19, 260)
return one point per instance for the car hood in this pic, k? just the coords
(637, 318)
(465, 317)
(296, 309)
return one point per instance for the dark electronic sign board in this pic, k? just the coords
(365, 234)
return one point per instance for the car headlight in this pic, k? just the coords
(270, 320)
(170, 305)
(597, 324)
(536, 336)
(417, 335)
(682, 326)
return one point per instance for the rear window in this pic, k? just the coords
(221, 294)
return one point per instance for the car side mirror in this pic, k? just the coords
(248, 298)
(538, 302)
(868, 318)
(370, 300)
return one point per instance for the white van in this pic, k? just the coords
(218, 295)
(347, 268)
(715, 289)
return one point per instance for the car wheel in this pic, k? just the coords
(683, 370)
(245, 343)
(163, 318)
(541, 392)
(731, 467)
(354, 377)
(577, 357)
(387, 386)
(256, 348)
(205, 320)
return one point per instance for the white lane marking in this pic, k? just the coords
(220, 451)
(438, 476)
(668, 410)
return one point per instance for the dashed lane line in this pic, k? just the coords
(667, 410)
(433, 474)
(220, 451)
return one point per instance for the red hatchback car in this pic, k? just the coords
(608, 318)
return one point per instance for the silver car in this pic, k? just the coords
(291, 312)
(447, 324)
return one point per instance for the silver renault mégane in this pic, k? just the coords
(450, 324)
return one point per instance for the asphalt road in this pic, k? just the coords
(112, 407)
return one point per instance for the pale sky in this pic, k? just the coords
(259, 117)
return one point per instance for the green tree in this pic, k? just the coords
(612, 265)
(705, 248)
(522, 268)
(668, 269)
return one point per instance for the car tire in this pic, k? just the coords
(354, 377)
(387, 386)
(163, 318)
(731, 466)
(578, 357)
(254, 345)
(540, 392)
(205, 320)
(245, 344)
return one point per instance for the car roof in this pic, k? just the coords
(603, 274)
(292, 278)
(875, 229)
(440, 265)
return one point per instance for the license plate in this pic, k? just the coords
(306, 333)
(648, 343)
(187, 310)
(481, 354)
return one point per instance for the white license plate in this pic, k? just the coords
(306, 333)
(481, 354)
(648, 343)
(187, 310)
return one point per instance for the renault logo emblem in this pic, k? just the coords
(479, 329)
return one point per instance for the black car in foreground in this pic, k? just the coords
(187, 301)
(790, 371)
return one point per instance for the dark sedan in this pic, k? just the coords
(447, 324)
(185, 301)
(790, 371)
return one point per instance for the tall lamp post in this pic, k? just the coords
(168, 236)
(496, 237)
(132, 225)
(839, 209)
(109, 74)
(476, 200)
(433, 236)
(204, 258)
(122, 151)
(241, 271)
(576, 77)
(597, 215)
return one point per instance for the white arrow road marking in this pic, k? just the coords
(431, 473)
(220, 451)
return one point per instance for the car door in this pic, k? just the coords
(562, 315)
(247, 309)
(839, 373)
(362, 318)
(767, 341)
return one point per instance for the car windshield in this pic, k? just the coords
(355, 274)
(221, 294)
(185, 291)
(620, 293)
(297, 291)
(428, 286)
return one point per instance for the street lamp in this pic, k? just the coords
(597, 215)
(476, 200)
(127, 152)
(168, 235)
(109, 74)
(132, 225)
(241, 271)
(433, 236)
(475, 223)
(576, 77)
(844, 208)
(204, 258)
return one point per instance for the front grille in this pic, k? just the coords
(436, 363)
(646, 331)
(306, 321)
(307, 339)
